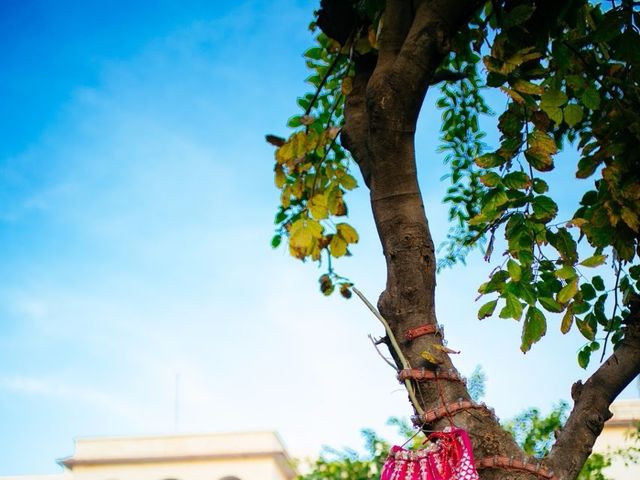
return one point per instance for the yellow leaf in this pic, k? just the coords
(336, 203)
(630, 218)
(348, 182)
(304, 235)
(307, 119)
(319, 206)
(567, 320)
(347, 85)
(541, 142)
(524, 86)
(285, 197)
(429, 357)
(513, 94)
(292, 149)
(297, 189)
(444, 349)
(594, 261)
(297, 253)
(337, 247)
(612, 212)
(362, 46)
(347, 232)
(315, 252)
(301, 239)
(280, 177)
(316, 228)
(568, 291)
(372, 37)
(520, 57)
(332, 132)
(577, 222)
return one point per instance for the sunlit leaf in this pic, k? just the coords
(594, 261)
(487, 309)
(533, 329)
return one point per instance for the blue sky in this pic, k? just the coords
(136, 210)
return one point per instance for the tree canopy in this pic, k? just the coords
(569, 72)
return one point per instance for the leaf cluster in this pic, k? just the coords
(312, 169)
(570, 74)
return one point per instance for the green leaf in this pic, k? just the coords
(276, 240)
(585, 329)
(513, 307)
(348, 182)
(518, 15)
(583, 356)
(587, 166)
(568, 291)
(487, 309)
(553, 98)
(517, 180)
(579, 308)
(566, 273)
(609, 27)
(550, 304)
(594, 261)
(493, 199)
(555, 114)
(598, 283)
(539, 160)
(490, 179)
(540, 186)
(314, 53)
(544, 208)
(590, 98)
(514, 270)
(573, 115)
(588, 292)
(534, 328)
(489, 160)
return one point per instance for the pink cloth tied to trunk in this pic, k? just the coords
(449, 457)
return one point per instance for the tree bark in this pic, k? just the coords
(380, 120)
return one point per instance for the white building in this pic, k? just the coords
(615, 435)
(230, 456)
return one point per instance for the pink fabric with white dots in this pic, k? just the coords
(449, 457)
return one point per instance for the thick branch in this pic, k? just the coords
(356, 125)
(398, 16)
(402, 76)
(592, 401)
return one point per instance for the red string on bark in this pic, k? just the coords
(416, 332)
(509, 463)
(423, 375)
(431, 416)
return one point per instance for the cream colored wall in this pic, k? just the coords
(615, 436)
(247, 456)
(244, 469)
(175, 445)
(61, 476)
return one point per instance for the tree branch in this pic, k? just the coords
(402, 77)
(398, 16)
(592, 400)
(356, 125)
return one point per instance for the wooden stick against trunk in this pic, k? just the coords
(396, 348)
